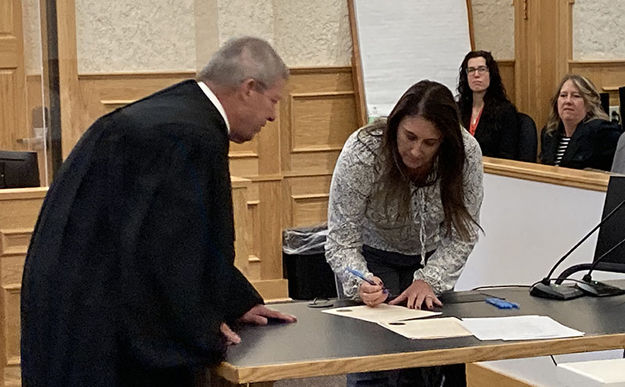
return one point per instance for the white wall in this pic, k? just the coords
(598, 29)
(493, 27)
(540, 371)
(31, 28)
(139, 35)
(528, 226)
(180, 35)
(159, 35)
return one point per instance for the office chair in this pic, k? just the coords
(605, 102)
(528, 138)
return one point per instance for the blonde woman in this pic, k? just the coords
(578, 133)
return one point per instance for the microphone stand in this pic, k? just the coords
(596, 288)
(546, 289)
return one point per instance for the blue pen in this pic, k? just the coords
(502, 304)
(362, 277)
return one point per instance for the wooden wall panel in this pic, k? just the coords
(254, 237)
(506, 70)
(102, 93)
(270, 229)
(18, 212)
(309, 209)
(591, 180)
(241, 245)
(11, 301)
(608, 76)
(543, 46)
(321, 112)
(312, 163)
(479, 375)
(19, 208)
(311, 130)
(10, 119)
(11, 309)
(13, 109)
(244, 166)
(307, 200)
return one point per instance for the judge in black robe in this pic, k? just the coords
(129, 276)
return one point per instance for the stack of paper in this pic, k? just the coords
(518, 328)
(433, 328)
(380, 313)
(410, 323)
(404, 321)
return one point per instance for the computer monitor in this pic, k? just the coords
(613, 230)
(18, 169)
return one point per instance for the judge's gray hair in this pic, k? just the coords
(243, 58)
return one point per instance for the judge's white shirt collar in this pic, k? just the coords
(213, 98)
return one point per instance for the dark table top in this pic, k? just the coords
(323, 344)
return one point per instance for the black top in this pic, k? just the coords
(592, 145)
(497, 131)
(130, 269)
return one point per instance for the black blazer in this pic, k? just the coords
(592, 145)
(498, 131)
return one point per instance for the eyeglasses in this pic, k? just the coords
(479, 69)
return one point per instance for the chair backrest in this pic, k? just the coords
(605, 102)
(618, 163)
(528, 138)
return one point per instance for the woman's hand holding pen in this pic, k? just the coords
(417, 294)
(372, 294)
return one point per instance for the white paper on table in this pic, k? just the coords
(432, 328)
(380, 313)
(518, 328)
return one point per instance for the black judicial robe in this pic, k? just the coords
(130, 272)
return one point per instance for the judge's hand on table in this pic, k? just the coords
(259, 315)
(418, 294)
(372, 295)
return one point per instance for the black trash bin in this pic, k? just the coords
(305, 266)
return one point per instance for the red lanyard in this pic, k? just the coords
(473, 123)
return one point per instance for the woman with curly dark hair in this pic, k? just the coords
(485, 109)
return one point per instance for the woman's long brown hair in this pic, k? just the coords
(435, 103)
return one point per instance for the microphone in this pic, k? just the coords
(544, 288)
(596, 288)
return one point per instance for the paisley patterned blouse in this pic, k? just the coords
(354, 219)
